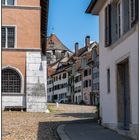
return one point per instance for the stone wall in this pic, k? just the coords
(35, 87)
(13, 100)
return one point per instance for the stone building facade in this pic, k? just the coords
(24, 35)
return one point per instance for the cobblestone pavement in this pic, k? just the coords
(41, 126)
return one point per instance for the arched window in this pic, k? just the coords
(11, 81)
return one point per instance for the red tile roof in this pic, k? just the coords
(53, 43)
(50, 71)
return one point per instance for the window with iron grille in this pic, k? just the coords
(11, 81)
(8, 37)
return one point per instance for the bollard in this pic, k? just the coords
(57, 104)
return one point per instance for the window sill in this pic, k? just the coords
(8, 5)
(21, 7)
(20, 49)
(123, 37)
(13, 94)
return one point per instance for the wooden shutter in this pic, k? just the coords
(114, 35)
(107, 26)
(135, 15)
(136, 10)
(126, 21)
(3, 37)
(10, 37)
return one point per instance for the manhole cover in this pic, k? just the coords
(5, 133)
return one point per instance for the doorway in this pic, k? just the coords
(123, 95)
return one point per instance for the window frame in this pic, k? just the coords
(130, 24)
(108, 81)
(85, 72)
(134, 13)
(6, 3)
(89, 72)
(15, 41)
(90, 83)
(22, 81)
(64, 75)
(56, 77)
(119, 19)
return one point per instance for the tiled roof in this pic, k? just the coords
(53, 43)
(50, 71)
(88, 55)
(81, 51)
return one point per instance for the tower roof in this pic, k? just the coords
(53, 43)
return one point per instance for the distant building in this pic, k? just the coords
(77, 85)
(87, 71)
(50, 85)
(58, 80)
(118, 20)
(87, 80)
(94, 64)
(80, 73)
(56, 50)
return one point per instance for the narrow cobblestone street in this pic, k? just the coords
(42, 126)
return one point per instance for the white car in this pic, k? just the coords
(64, 100)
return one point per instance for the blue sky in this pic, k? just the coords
(68, 20)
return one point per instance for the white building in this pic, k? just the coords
(95, 75)
(77, 88)
(60, 83)
(50, 89)
(118, 22)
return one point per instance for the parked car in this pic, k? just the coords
(64, 100)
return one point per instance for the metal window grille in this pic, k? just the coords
(11, 81)
(3, 35)
(8, 37)
(11, 37)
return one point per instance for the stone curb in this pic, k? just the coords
(61, 132)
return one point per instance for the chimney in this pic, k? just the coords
(76, 48)
(87, 41)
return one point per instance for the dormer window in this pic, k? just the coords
(8, 2)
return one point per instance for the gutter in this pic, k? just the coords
(90, 7)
